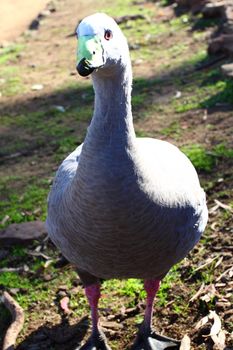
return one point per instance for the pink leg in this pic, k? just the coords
(151, 287)
(93, 295)
(147, 338)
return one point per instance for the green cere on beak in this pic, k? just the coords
(90, 54)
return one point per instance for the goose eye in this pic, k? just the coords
(108, 34)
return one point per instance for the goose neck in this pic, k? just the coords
(112, 112)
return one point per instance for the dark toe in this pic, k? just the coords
(154, 341)
(96, 342)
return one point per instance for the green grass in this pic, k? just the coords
(11, 83)
(25, 205)
(205, 160)
(10, 53)
(207, 92)
(173, 130)
(200, 158)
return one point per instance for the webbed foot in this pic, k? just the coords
(97, 341)
(153, 341)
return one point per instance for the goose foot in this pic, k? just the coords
(97, 341)
(153, 341)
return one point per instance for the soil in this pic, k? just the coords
(48, 59)
(16, 15)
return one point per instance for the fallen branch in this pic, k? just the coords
(17, 323)
(24, 268)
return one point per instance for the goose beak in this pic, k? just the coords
(90, 54)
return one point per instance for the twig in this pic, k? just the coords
(24, 268)
(223, 206)
(34, 253)
(208, 262)
(230, 271)
(199, 292)
(17, 323)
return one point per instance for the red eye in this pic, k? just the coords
(108, 34)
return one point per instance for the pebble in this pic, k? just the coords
(178, 94)
(60, 109)
(61, 294)
(37, 87)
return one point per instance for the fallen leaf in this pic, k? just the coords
(219, 340)
(210, 293)
(202, 322)
(185, 343)
(215, 329)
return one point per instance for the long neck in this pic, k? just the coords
(112, 120)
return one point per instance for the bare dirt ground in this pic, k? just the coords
(48, 60)
(16, 15)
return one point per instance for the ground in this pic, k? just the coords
(180, 95)
(25, 11)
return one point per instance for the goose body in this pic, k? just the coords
(114, 217)
(121, 206)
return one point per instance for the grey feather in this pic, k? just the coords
(122, 206)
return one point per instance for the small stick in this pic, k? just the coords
(17, 321)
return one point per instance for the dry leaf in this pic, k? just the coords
(215, 329)
(210, 293)
(219, 340)
(202, 322)
(185, 343)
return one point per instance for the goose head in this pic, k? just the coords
(102, 47)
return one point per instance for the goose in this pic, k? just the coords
(121, 206)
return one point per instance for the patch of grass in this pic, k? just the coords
(10, 53)
(200, 158)
(173, 130)
(205, 92)
(222, 151)
(206, 160)
(220, 93)
(141, 133)
(133, 288)
(11, 82)
(27, 205)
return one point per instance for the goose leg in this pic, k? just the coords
(147, 338)
(97, 340)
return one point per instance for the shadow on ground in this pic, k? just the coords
(59, 337)
(37, 123)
